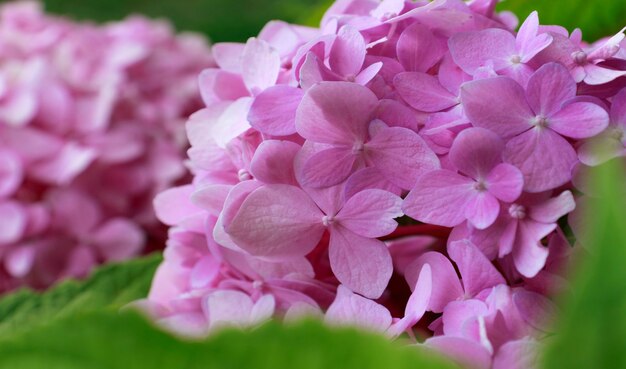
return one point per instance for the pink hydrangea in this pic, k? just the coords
(406, 167)
(91, 128)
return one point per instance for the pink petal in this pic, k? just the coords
(618, 107)
(328, 167)
(528, 41)
(369, 178)
(476, 151)
(228, 308)
(544, 157)
(505, 182)
(418, 48)
(470, 353)
(262, 310)
(520, 354)
(278, 221)
(549, 88)
(482, 209)
(580, 120)
(498, 104)
(65, 166)
(352, 309)
(19, 262)
(472, 50)
(536, 310)
(173, 206)
(336, 113)
(396, 114)
(361, 264)
(551, 210)
(273, 162)
(439, 197)
(371, 213)
(348, 52)
(273, 111)
(228, 55)
(596, 75)
(401, 155)
(368, 73)
(211, 198)
(260, 65)
(232, 122)
(529, 255)
(417, 304)
(11, 173)
(119, 239)
(423, 92)
(477, 272)
(446, 286)
(218, 85)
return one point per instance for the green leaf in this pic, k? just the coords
(110, 287)
(592, 329)
(221, 20)
(597, 19)
(116, 341)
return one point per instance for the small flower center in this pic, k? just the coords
(244, 175)
(540, 121)
(579, 57)
(516, 59)
(480, 186)
(517, 211)
(328, 220)
(358, 148)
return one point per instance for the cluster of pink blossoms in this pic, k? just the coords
(91, 128)
(407, 167)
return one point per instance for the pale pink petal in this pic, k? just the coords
(467, 352)
(579, 120)
(227, 308)
(520, 354)
(352, 309)
(11, 173)
(472, 50)
(549, 88)
(228, 55)
(439, 197)
(536, 310)
(459, 318)
(529, 255)
(328, 167)
(72, 160)
(369, 178)
(273, 162)
(417, 304)
(498, 104)
(528, 41)
(232, 122)
(361, 264)
(368, 73)
(211, 198)
(597, 75)
(336, 113)
(618, 108)
(218, 85)
(119, 239)
(278, 221)
(173, 206)
(19, 262)
(505, 182)
(482, 209)
(418, 48)
(396, 114)
(204, 272)
(371, 213)
(476, 151)
(401, 155)
(545, 158)
(423, 92)
(274, 110)
(477, 272)
(262, 310)
(348, 52)
(260, 65)
(446, 286)
(551, 210)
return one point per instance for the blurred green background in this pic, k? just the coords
(230, 20)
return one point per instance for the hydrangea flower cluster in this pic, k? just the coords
(406, 167)
(91, 128)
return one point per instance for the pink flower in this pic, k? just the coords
(534, 122)
(90, 129)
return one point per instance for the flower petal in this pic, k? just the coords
(352, 309)
(580, 120)
(423, 92)
(328, 167)
(277, 221)
(476, 151)
(348, 52)
(273, 162)
(505, 182)
(477, 272)
(472, 50)
(418, 49)
(549, 88)
(361, 264)
(273, 111)
(446, 286)
(371, 213)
